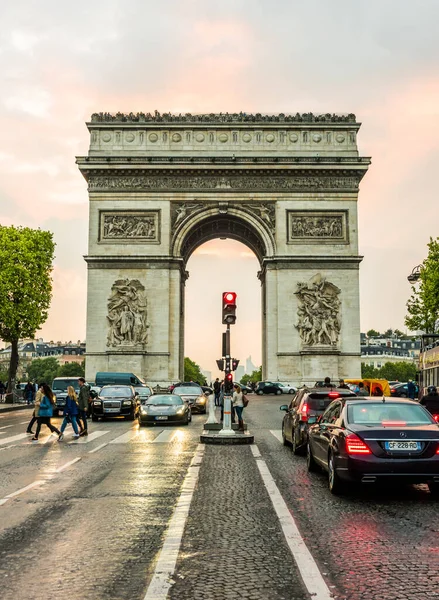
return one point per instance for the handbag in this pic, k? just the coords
(245, 400)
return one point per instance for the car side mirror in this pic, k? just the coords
(284, 407)
(206, 393)
(93, 394)
(312, 420)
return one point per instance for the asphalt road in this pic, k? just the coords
(98, 518)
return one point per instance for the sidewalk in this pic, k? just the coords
(4, 408)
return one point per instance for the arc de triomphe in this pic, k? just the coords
(162, 185)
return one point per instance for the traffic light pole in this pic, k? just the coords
(228, 390)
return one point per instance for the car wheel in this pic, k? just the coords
(94, 418)
(434, 488)
(278, 392)
(403, 396)
(291, 391)
(260, 392)
(310, 461)
(284, 439)
(336, 486)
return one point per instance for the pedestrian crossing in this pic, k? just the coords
(134, 436)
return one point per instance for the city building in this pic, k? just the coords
(376, 351)
(29, 350)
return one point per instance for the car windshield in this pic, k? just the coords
(143, 391)
(322, 401)
(191, 390)
(164, 401)
(387, 413)
(115, 392)
(61, 385)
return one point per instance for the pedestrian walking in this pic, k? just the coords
(83, 399)
(343, 385)
(217, 391)
(38, 397)
(71, 411)
(45, 411)
(29, 391)
(238, 405)
(2, 391)
(411, 389)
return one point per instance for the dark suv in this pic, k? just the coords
(306, 403)
(268, 387)
(116, 401)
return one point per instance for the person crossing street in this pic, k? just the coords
(83, 399)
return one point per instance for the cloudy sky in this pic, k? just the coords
(62, 61)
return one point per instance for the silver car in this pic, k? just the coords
(194, 396)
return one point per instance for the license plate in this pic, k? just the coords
(401, 446)
(161, 418)
(111, 409)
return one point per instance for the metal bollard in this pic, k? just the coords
(227, 419)
(211, 417)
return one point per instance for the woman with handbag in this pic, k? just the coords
(44, 410)
(238, 401)
(71, 411)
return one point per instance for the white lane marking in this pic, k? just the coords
(7, 447)
(89, 438)
(255, 451)
(129, 436)
(312, 578)
(165, 436)
(13, 438)
(277, 434)
(21, 491)
(7, 426)
(68, 464)
(98, 448)
(50, 438)
(24, 422)
(162, 577)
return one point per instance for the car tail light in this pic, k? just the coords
(333, 395)
(393, 423)
(356, 446)
(304, 412)
(436, 418)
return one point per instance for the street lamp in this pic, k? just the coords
(415, 274)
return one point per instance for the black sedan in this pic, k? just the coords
(367, 441)
(161, 409)
(194, 396)
(116, 401)
(400, 390)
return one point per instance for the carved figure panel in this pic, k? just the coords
(205, 182)
(135, 226)
(319, 312)
(156, 117)
(316, 227)
(127, 314)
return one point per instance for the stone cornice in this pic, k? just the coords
(217, 118)
(87, 162)
(134, 262)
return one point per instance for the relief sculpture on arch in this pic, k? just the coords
(127, 314)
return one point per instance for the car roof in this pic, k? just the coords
(328, 390)
(384, 399)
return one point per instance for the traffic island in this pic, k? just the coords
(234, 439)
(218, 426)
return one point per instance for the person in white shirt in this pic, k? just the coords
(238, 405)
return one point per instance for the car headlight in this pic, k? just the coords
(180, 411)
(144, 410)
(127, 402)
(201, 400)
(97, 403)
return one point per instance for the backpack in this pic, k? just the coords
(245, 400)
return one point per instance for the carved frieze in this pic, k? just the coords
(127, 314)
(316, 227)
(133, 226)
(319, 319)
(178, 180)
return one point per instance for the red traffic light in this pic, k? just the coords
(229, 297)
(229, 377)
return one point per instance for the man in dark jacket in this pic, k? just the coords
(431, 400)
(83, 398)
(217, 390)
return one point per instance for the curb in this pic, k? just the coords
(226, 440)
(13, 407)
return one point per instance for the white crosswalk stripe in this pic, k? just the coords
(165, 436)
(126, 437)
(88, 438)
(13, 438)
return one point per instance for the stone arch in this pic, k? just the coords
(236, 223)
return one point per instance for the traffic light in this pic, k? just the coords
(229, 308)
(220, 364)
(235, 363)
(228, 383)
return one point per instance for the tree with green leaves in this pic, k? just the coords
(192, 371)
(71, 369)
(253, 377)
(43, 369)
(26, 257)
(402, 371)
(373, 333)
(423, 305)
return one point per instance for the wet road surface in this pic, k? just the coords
(90, 518)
